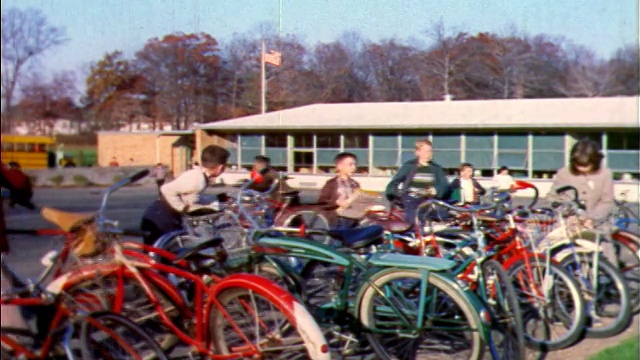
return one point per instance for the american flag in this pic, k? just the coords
(273, 58)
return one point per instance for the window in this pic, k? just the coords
(362, 156)
(278, 156)
(385, 151)
(624, 161)
(328, 141)
(303, 140)
(20, 147)
(7, 146)
(409, 140)
(479, 151)
(251, 141)
(303, 161)
(446, 150)
(326, 156)
(548, 152)
(357, 141)
(275, 140)
(251, 146)
(624, 141)
(512, 150)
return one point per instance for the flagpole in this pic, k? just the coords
(263, 80)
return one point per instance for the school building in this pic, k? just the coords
(533, 137)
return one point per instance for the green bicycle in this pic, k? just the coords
(399, 306)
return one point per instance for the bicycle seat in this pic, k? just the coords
(359, 237)
(197, 252)
(202, 212)
(67, 221)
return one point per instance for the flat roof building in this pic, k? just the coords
(531, 136)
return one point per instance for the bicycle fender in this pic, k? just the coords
(293, 308)
(629, 239)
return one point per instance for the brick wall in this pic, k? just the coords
(144, 149)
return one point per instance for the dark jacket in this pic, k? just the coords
(269, 177)
(406, 173)
(329, 192)
(454, 189)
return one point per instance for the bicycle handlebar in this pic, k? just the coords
(126, 181)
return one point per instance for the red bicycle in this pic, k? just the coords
(238, 316)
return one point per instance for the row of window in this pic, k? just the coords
(24, 147)
(441, 141)
(525, 152)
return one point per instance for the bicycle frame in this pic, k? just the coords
(373, 266)
(147, 271)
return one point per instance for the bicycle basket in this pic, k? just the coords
(222, 225)
(535, 227)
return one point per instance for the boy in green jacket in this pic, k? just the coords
(421, 179)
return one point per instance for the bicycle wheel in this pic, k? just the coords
(111, 336)
(507, 334)
(389, 309)
(102, 294)
(255, 323)
(311, 219)
(627, 260)
(552, 308)
(607, 295)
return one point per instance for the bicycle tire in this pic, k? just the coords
(506, 317)
(570, 314)
(628, 262)
(610, 284)
(397, 344)
(134, 301)
(114, 324)
(271, 309)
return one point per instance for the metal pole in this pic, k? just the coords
(263, 80)
(280, 19)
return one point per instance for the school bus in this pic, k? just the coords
(31, 152)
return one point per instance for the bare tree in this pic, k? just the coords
(585, 75)
(25, 35)
(446, 58)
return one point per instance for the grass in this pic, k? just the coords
(626, 350)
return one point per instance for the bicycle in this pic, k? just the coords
(580, 251)
(64, 329)
(350, 322)
(219, 320)
(482, 274)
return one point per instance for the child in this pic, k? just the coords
(503, 181)
(181, 195)
(421, 178)
(338, 190)
(262, 167)
(465, 189)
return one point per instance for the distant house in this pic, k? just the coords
(58, 126)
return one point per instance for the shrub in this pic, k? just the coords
(81, 180)
(57, 180)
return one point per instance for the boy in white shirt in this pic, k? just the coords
(465, 189)
(181, 195)
(503, 181)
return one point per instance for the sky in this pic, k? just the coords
(95, 27)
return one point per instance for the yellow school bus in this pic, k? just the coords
(31, 152)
